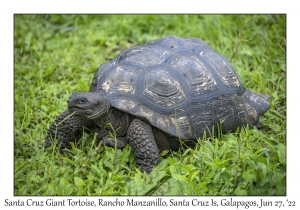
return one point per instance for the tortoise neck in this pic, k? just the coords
(102, 112)
(114, 120)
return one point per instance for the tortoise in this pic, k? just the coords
(158, 96)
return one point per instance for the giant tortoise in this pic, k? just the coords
(158, 96)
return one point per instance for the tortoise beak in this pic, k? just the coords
(71, 102)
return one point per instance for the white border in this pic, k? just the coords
(154, 6)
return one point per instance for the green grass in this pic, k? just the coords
(55, 55)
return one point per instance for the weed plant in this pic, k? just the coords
(56, 55)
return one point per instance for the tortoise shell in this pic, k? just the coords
(179, 85)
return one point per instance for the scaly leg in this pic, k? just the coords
(67, 129)
(142, 142)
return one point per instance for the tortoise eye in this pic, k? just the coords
(82, 101)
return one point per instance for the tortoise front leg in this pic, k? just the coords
(67, 128)
(142, 142)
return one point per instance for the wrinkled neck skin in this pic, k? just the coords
(113, 120)
(100, 117)
(102, 111)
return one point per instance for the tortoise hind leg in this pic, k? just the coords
(142, 142)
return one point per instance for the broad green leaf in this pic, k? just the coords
(164, 153)
(31, 176)
(50, 190)
(23, 190)
(187, 168)
(241, 191)
(78, 181)
(282, 153)
(248, 176)
(263, 170)
(216, 164)
(222, 150)
(180, 177)
(171, 160)
(108, 164)
(277, 178)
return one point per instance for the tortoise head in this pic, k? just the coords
(91, 105)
